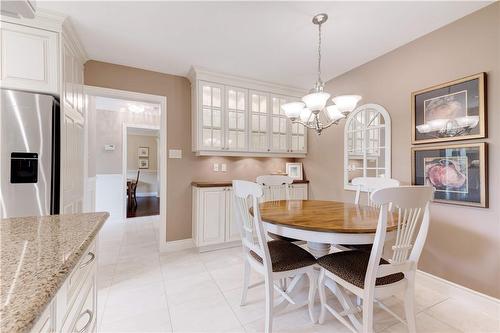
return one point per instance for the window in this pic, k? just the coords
(367, 144)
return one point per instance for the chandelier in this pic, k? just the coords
(307, 112)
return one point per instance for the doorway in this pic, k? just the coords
(114, 116)
(141, 153)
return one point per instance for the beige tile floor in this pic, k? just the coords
(141, 290)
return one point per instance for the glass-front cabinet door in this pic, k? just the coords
(279, 124)
(297, 138)
(211, 96)
(259, 116)
(236, 128)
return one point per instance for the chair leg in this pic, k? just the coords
(322, 295)
(246, 282)
(367, 315)
(269, 305)
(312, 294)
(410, 307)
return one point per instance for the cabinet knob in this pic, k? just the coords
(268, 149)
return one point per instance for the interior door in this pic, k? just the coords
(72, 134)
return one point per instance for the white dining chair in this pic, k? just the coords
(367, 274)
(276, 260)
(371, 184)
(275, 188)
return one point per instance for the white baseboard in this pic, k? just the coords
(487, 304)
(140, 219)
(219, 246)
(146, 194)
(177, 245)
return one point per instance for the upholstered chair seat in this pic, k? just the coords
(352, 265)
(286, 256)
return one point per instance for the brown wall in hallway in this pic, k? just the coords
(181, 172)
(463, 244)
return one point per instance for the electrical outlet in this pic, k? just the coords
(223, 167)
(216, 167)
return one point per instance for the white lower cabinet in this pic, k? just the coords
(213, 220)
(74, 307)
(298, 192)
(214, 223)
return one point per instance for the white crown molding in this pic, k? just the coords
(200, 73)
(44, 19)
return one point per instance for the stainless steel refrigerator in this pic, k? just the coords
(30, 154)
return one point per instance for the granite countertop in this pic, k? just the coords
(229, 183)
(37, 254)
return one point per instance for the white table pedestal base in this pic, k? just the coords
(318, 249)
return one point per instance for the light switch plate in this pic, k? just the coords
(223, 167)
(216, 167)
(174, 153)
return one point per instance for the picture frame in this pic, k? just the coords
(143, 163)
(294, 171)
(458, 172)
(450, 111)
(143, 152)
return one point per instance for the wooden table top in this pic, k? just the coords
(326, 216)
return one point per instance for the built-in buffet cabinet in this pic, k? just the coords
(43, 55)
(234, 116)
(214, 222)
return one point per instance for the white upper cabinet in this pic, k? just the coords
(279, 124)
(236, 121)
(235, 116)
(30, 58)
(259, 120)
(211, 129)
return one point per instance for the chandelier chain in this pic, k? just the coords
(319, 53)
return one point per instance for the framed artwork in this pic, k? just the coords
(143, 163)
(143, 152)
(458, 173)
(450, 111)
(294, 170)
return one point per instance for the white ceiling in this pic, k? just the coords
(271, 41)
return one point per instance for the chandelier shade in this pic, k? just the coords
(333, 113)
(305, 115)
(316, 101)
(346, 103)
(293, 110)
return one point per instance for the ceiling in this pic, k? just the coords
(271, 41)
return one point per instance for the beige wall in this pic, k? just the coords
(135, 141)
(181, 172)
(463, 245)
(109, 130)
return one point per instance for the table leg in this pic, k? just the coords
(318, 249)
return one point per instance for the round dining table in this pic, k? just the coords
(323, 223)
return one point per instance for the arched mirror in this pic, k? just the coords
(367, 144)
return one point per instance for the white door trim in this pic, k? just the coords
(162, 101)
